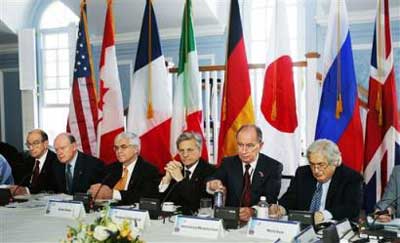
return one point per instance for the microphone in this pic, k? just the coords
(97, 192)
(168, 193)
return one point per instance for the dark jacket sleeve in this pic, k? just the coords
(288, 200)
(273, 186)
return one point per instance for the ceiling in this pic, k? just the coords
(208, 15)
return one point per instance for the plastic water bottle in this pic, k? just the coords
(262, 209)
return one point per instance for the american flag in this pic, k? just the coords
(382, 134)
(83, 116)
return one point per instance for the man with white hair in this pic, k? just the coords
(131, 177)
(325, 187)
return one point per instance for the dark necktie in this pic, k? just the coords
(35, 175)
(68, 179)
(246, 194)
(316, 199)
(187, 174)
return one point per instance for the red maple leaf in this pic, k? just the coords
(103, 91)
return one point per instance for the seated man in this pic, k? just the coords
(131, 177)
(389, 204)
(248, 175)
(325, 186)
(75, 171)
(185, 185)
(5, 172)
(38, 166)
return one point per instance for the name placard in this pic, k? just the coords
(307, 235)
(139, 219)
(65, 209)
(273, 229)
(198, 227)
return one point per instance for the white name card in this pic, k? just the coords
(139, 219)
(65, 209)
(307, 235)
(198, 227)
(273, 229)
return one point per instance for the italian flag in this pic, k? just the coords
(187, 104)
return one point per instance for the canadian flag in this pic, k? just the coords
(278, 116)
(111, 114)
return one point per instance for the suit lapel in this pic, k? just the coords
(237, 177)
(135, 173)
(259, 175)
(78, 172)
(197, 172)
(333, 187)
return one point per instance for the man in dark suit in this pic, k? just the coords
(38, 166)
(325, 186)
(76, 170)
(184, 182)
(249, 175)
(131, 177)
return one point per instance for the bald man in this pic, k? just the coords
(76, 171)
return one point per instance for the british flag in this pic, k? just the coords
(382, 138)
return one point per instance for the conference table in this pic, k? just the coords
(30, 224)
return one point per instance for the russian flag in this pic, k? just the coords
(150, 106)
(339, 114)
(382, 128)
(237, 105)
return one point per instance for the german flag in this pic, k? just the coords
(237, 105)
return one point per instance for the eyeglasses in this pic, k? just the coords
(122, 147)
(34, 144)
(320, 166)
(248, 146)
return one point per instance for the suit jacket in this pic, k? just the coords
(143, 182)
(344, 197)
(46, 180)
(187, 193)
(266, 179)
(392, 193)
(88, 170)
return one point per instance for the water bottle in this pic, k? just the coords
(262, 208)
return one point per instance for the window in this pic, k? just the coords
(57, 36)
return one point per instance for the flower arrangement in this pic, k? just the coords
(103, 230)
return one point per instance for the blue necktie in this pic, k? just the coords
(68, 179)
(316, 200)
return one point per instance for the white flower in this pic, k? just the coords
(101, 233)
(112, 227)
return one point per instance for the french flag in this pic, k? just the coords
(150, 106)
(339, 114)
(382, 128)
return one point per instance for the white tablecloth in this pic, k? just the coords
(30, 225)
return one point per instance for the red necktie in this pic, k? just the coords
(246, 194)
(35, 175)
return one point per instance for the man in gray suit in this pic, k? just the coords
(390, 200)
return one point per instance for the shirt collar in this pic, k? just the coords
(43, 157)
(253, 164)
(192, 168)
(131, 166)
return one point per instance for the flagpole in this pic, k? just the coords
(150, 113)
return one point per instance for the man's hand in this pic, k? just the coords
(216, 185)
(384, 218)
(318, 217)
(16, 191)
(275, 211)
(102, 191)
(245, 214)
(174, 169)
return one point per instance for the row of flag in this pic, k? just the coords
(158, 118)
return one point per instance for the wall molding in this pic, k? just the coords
(361, 17)
(368, 46)
(165, 34)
